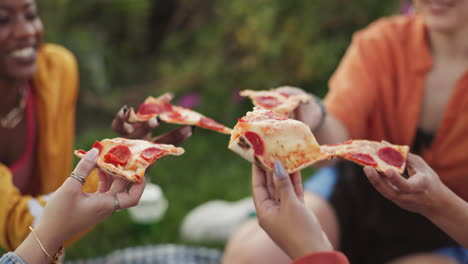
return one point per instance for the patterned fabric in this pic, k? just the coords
(160, 254)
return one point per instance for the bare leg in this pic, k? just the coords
(250, 244)
(424, 259)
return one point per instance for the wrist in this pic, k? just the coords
(51, 242)
(309, 246)
(323, 115)
(442, 206)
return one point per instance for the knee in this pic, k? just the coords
(250, 244)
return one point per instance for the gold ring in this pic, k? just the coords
(79, 178)
(116, 204)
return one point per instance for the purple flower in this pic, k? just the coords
(406, 8)
(190, 100)
(236, 97)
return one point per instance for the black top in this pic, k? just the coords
(422, 140)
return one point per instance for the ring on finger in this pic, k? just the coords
(79, 178)
(116, 204)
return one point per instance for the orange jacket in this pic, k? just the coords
(378, 88)
(56, 87)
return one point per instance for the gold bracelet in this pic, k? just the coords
(59, 252)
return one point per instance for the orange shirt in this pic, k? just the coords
(377, 93)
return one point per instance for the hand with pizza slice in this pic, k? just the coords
(263, 136)
(286, 220)
(424, 193)
(129, 158)
(160, 109)
(70, 211)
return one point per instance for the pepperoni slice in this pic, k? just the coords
(176, 116)
(362, 158)
(80, 151)
(391, 156)
(98, 145)
(149, 108)
(210, 123)
(268, 101)
(256, 142)
(151, 154)
(118, 155)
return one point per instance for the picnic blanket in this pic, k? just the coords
(158, 254)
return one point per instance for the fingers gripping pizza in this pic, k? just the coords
(165, 111)
(129, 158)
(262, 136)
(282, 100)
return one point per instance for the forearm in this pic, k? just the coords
(452, 217)
(332, 131)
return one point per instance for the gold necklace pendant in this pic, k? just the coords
(16, 115)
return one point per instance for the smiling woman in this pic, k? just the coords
(39, 85)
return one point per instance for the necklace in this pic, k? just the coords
(15, 116)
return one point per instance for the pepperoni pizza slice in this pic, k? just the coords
(129, 158)
(165, 111)
(262, 136)
(380, 155)
(282, 100)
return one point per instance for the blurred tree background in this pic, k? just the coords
(129, 49)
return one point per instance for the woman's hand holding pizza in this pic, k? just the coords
(70, 210)
(422, 192)
(287, 221)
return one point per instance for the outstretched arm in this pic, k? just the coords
(287, 221)
(424, 193)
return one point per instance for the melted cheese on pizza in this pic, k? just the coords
(263, 136)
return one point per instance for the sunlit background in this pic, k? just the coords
(204, 52)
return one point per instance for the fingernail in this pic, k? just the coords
(280, 172)
(92, 154)
(153, 122)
